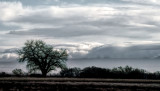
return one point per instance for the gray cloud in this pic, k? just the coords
(48, 19)
(83, 2)
(62, 2)
(76, 51)
(149, 51)
(81, 26)
(11, 50)
(78, 24)
(6, 27)
(8, 60)
(70, 31)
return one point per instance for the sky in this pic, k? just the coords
(86, 28)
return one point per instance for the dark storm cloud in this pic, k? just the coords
(150, 51)
(8, 60)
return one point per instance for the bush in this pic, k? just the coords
(70, 72)
(18, 72)
(4, 74)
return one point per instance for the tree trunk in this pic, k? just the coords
(44, 73)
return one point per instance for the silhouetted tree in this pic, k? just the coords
(70, 72)
(95, 72)
(157, 74)
(128, 72)
(40, 56)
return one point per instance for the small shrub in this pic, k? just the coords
(70, 72)
(18, 72)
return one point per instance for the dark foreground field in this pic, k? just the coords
(77, 84)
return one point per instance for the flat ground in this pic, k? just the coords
(77, 84)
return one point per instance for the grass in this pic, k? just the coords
(78, 84)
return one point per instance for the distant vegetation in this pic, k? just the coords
(119, 72)
(18, 72)
(126, 72)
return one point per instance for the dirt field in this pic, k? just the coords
(77, 84)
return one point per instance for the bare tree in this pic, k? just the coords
(40, 56)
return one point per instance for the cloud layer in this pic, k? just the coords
(133, 52)
(87, 28)
(89, 55)
(98, 21)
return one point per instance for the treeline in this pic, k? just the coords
(118, 73)
(126, 72)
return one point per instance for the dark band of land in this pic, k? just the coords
(77, 84)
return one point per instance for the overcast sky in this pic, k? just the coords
(87, 28)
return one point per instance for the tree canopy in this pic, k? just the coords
(40, 56)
